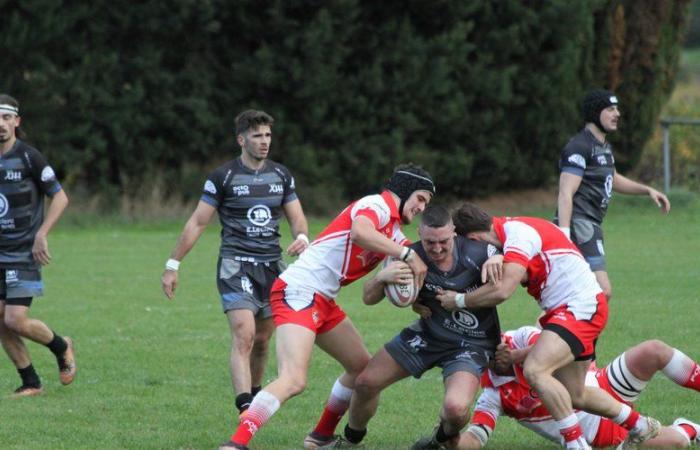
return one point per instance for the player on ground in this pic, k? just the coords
(250, 194)
(537, 253)
(459, 342)
(25, 179)
(302, 298)
(588, 179)
(625, 378)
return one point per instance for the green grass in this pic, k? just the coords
(153, 374)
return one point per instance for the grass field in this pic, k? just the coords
(153, 373)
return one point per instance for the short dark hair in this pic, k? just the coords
(436, 216)
(469, 218)
(252, 119)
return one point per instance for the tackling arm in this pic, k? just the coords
(487, 295)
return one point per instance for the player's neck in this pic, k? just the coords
(7, 145)
(252, 163)
(595, 131)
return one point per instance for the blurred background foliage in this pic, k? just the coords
(133, 103)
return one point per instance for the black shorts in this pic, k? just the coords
(417, 353)
(18, 285)
(246, 285)
(588, 237)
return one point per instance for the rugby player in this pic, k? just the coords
(624, 378)
(25, 179)
(459, 342)
(303, 297)
(537, 253)
(587, 180)
(250, 194)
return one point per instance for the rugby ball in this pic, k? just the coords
(401, 295)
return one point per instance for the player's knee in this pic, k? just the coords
(659, 351)
(365, 384)
(455, 410)
(533, 373)
(15, 323)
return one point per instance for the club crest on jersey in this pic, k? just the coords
(209, 187)
(276, 189)
(4, 205)
(259, 215)
(601, 160)
(578, 160)
(465, 319)
(242, 189)
(13, 175)
(47, 174)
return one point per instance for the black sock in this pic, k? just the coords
(29, 376)
(354, 436)
(441, 436)
(243, 401)
(254, 390)
(58, 346)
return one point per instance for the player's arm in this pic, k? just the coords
(568, 185)
(299, 226)
(488, 295)
(624, 185)
(193, 229)
(396, 272)
(40, 249)
(364, 234)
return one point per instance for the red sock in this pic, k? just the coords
(328, 421)
(694, 379)
(264, 405)
(631, 421)
(571, 433)
(689, 430)
(247, 428)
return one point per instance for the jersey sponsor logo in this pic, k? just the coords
(47, 174)
(465, 319)
(259, 215)
(276, 189)
(577, 160)
(7, 224)
(4, 205)
(242, 189)
(209, 187)
(601, 160)
(13, 175)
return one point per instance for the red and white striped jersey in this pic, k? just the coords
(333, 259)
(557, 273)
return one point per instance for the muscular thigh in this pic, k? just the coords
(549, 353)
(344, 344)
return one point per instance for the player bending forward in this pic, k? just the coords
(624, 378)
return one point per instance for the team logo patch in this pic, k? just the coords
(47, 174)
(577, 160)
(416, 343)
(465, 319)
(276, 189)
(601, 160)
(246, 285)
(4, 205)
(11, 275)
(209, 187)
(259, 215)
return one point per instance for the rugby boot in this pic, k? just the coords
(230, 445)
(634, 439)
(339, 442)
(66, 370)
(315, 440)
(27, 391)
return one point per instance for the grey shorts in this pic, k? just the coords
(417, 353)
(588, 237)
(246, 285)
(20, 283)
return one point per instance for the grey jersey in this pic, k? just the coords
(479, 327)
(249, 203)
(25, 179)
(593, 161)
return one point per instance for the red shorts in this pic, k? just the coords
(322, 314)
(581, 335)
(609, 434)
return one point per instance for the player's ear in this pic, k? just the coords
(240, 139)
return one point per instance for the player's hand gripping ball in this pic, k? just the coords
(401, 295)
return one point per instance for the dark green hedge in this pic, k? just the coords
(484, 94)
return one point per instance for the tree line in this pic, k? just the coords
(482, 94)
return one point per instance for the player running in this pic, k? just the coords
(303, 297)
(624, 378)
(459, 342)
(538, 254)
